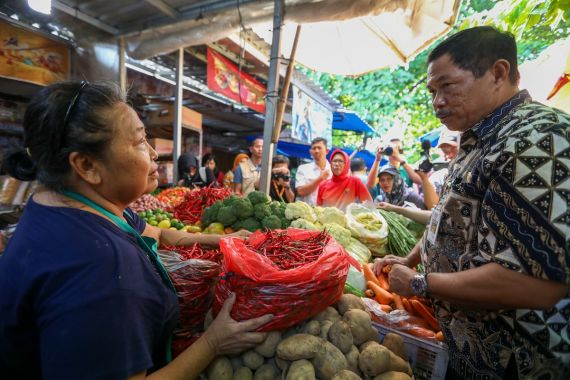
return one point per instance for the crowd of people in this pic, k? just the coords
(83, 295)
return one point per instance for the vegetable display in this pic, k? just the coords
(369, 227)
(191, 208)
(173, 196)
(148, 202)
(400, 239)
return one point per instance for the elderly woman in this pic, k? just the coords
(343, 188)
(83, 294)
(392, 189)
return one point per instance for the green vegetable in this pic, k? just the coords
(243, 208)
(304, 224)
(251, 224)
(400, 239)
(230, 200)
(257, 197)
(330, 215)
(210, 214)
(271, 222)
(349, 289)
(339, 233)
(298, 210)
(261, 210)
(226, 216)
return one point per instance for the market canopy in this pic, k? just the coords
(350, 121)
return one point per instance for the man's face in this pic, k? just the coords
(257, 148)
(318, 151)
(449, 151)
(459, 99)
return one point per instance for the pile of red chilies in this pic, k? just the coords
(287, 253)
(191, 209)
(195, 252)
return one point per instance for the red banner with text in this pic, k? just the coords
(224, 77)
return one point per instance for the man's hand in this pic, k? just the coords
(324, 175)
(379, 153)
(399, 278)
(380, 263)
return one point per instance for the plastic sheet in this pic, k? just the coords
(375, 240)
(290, 295)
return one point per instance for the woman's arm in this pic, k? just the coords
(417, 215)
(175, 237)
(373, 174)
(430, 195)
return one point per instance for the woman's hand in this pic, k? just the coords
(386, 206)
(227, 336)
(380, 263)
(240, 234)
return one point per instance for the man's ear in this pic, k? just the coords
(85, 167)
(500, 71)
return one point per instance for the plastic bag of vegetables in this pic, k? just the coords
(369, 227)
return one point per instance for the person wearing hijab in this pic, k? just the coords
(229, 177)
(343, 188)
(191, 174)
(209, 161)
(393, 190)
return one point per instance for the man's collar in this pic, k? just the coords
(485, 125)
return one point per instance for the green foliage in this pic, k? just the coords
(399, 96)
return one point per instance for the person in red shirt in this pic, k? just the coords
(343, 188)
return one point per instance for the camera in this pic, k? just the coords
(389, 150)
(425, 165)
(277, 176)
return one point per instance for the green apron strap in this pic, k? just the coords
(150, 248)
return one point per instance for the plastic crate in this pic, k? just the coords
(428, 359)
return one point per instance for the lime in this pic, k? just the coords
(164, 223)
(153, 222)
(170, 215)
(174, 221)
(158, 211)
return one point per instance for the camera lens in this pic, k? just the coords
(388, 151)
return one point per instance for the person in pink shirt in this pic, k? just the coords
(343, 188)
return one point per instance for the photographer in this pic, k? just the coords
(393, 190)
(281, 188)
(406, 171)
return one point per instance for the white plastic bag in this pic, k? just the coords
(369, 227)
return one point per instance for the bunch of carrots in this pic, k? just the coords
(422, 315)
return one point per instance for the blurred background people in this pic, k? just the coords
(248, 173)
(310, 176)
(209, 161)
(282, 187)
(229, 176)
(358, 169)
(393, 190)
(191, 174)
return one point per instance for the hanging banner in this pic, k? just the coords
(31, 57)
(310, 118)
(224, 77)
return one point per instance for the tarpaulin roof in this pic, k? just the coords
(350, 121)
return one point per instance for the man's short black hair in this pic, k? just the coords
(317, 140)
(357, 164)
(477, 49)
(252, 143)
(280, 159)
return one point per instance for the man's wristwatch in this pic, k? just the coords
(419, 285)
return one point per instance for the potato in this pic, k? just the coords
(220, 368)
(398, 364)
(266, 372)
(349, 301)
(352, 360)
(328, 362)
(340, 336)
(392, 375)
(374, 360)
(312, 327)
(395, 343)
(366, 344)
(282, 364)
(301, 370)
(299, 346)
(252, 359)
(346, 375)
(290, 332)
(329, 314)
(236, 362)
(243, 373)
(325, 327)
(360, 326)
(269, 345)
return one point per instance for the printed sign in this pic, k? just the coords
(310, 118)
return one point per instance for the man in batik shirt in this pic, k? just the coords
(496, 250)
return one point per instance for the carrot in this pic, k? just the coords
(420, 332)
(386, 308)
(407, 306)
(383, 281)
(369, 274)
(439, 336)
(398, 302)
(382, 296)
(422, 311)
(369, 293)
(386, 269)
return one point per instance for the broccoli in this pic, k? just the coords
(257, 197)
(271, 222)
(304, 224)
(243, 208)
(278, 208)
(261, 210)
(339, 233)
(250, 224)
(226, 216)
(210, 214)
(300, 210)
(230, 200)
(285, 223)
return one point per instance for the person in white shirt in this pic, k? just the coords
(309, 176)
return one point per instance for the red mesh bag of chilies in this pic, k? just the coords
(254, 272)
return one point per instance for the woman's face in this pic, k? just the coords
(386, 182)
(129, 168)
(211, 164)
(337, 164)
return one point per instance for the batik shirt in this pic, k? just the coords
(506, 200)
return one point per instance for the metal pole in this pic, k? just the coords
(272, 97)
(177, 123)
(122, 65)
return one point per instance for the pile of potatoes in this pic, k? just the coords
(337, 344)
